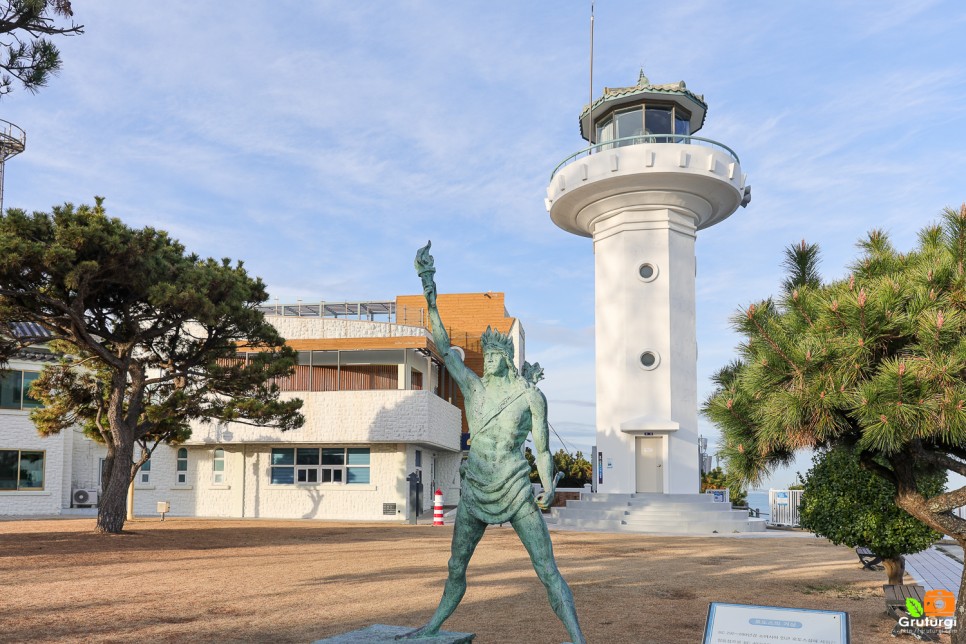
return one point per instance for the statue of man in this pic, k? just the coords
(502, 407)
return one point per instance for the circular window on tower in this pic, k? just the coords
(647, 272)
(649, 360)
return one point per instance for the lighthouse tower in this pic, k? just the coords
(641, 191)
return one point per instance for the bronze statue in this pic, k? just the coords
(502, 407)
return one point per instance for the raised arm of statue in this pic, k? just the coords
(426, 269)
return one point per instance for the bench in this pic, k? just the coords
(895, 598)
(869, 560)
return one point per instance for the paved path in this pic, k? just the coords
(935, 570)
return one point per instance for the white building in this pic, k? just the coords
(378, 405)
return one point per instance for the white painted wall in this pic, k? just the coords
(391, 423)
(248, 491)
(342, 417)
(19, 433)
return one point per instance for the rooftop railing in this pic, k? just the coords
(644, 138)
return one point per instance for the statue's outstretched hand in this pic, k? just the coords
(429, 290)
(425, 268)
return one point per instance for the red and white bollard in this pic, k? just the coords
(438, 508)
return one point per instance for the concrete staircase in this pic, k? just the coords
(666, 513)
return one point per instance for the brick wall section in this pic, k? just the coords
(466, 316)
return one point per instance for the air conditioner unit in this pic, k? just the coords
(84, 497)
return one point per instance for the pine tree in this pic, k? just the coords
(146, 336)
(875, 362)
(28, 56)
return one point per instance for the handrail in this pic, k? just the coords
(12, 133)
(644, 138)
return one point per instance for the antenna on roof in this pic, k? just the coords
(590, 106)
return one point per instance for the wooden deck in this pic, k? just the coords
(934, 570)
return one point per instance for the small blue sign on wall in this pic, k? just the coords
(719, 496)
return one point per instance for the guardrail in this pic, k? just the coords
(12, 136)
(644, 138)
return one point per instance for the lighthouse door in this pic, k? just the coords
(650, 465)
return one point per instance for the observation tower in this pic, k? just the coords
(13, 140)
(641, 191)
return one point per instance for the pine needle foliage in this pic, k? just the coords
(146, 337)
(27, 55)
(874, 362)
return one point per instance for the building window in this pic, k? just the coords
(647, 272)
(333, 460)
(283, 466)
(218, 467)
(419, 458)
(21, 470)
(650, 360)
(312, 465)
(182, 466)
(357, 469)
(145, 472)
(307, 465)
(15, 389)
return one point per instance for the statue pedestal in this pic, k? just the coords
(383, 634)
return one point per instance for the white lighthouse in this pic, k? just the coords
(642, 190)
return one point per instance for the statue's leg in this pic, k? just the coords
(467, 532)
(533, 532)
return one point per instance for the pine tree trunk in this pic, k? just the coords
(112, 509)
(895, 568)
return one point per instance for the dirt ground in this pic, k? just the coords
(190, 580)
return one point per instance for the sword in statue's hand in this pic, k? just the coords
(545, 498)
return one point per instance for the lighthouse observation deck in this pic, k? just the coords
(699, 175)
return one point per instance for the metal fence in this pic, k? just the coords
(784, 506)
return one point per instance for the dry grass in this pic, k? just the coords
(190, 580)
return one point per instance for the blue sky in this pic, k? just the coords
(323, 142)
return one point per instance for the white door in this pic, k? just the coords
(650, 465)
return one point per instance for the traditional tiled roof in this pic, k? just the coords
(29, 331)
(644, 86)
(35, 355)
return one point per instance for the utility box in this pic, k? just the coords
(163, 508)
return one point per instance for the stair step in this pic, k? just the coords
(657, 513)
